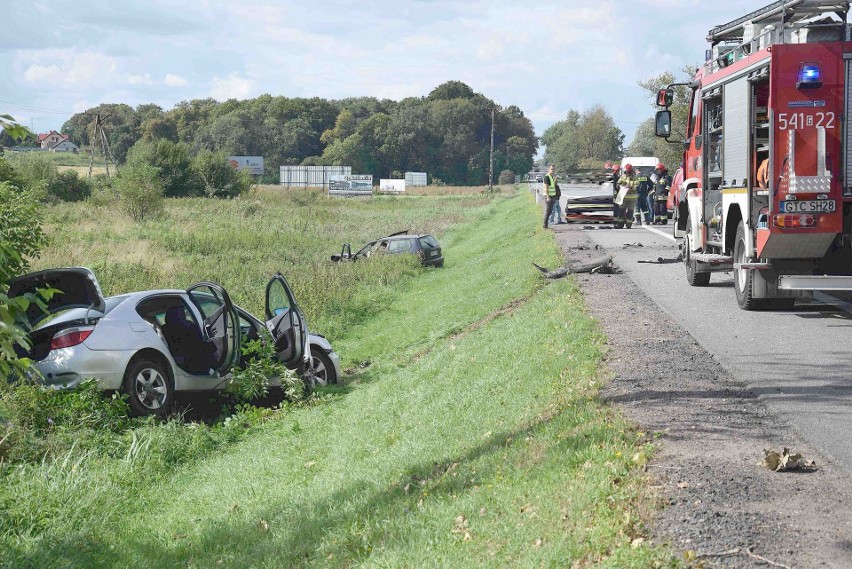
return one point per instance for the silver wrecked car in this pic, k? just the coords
(152, 343)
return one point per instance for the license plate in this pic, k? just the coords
(809, 206)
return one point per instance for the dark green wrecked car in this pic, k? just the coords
(424, 246)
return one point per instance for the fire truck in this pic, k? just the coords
(767, 181)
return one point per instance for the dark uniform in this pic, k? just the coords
(662, 187)
(616, 174)
(644, 187)
(553, 193)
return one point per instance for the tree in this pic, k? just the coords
(583, 140)
(344, 126)
(218, 178)
(645, 142)
(451, 90)
(173, 164)
(140, 191)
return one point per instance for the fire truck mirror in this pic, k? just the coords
(665, 98)
(663, 124)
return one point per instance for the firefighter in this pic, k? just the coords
(662, 187)
(551, 193)
(628, 178)
(644, 187)
(616, 174)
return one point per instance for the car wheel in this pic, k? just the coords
(321, 371)
(148, 386)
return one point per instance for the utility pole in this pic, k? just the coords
(99, 135)
(491, 156)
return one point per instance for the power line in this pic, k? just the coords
(36, 109)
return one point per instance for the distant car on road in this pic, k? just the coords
(424, 246)
(151, 343)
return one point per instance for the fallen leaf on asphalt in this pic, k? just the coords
(683, 485)
(785, 460)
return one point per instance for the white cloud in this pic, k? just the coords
(78, 70)
(174, 81)
(145, 79)
(232, 87)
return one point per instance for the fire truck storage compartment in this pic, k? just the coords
(847, 135)
(735, 143)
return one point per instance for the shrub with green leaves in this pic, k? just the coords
(251, 382)
(506, 177)
(218, 178)
(36, 170)
(68, 186)
(139, 191)
(173, 163)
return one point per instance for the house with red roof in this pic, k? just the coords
(56, 142)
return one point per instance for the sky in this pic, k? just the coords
(58, 57)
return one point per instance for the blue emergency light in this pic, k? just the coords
(809, 76)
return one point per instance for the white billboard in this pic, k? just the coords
(254, 164)
(350, 185)
(392, 186)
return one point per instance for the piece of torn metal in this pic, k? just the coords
(604, 266)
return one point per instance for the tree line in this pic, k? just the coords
(446, 133)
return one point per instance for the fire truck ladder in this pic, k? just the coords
(781, 13)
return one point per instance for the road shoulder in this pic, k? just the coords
(711, 433)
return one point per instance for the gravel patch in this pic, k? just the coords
(716, 496)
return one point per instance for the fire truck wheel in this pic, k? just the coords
(743, 278)
(693, 277)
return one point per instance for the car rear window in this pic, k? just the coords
(428, 242)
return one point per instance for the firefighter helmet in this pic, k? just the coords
(660, 167)
(628, 168)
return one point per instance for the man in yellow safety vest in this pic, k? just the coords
(551, 193)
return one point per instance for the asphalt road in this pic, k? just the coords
(799, 361)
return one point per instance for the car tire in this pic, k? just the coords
(149, 387)
(322, 371)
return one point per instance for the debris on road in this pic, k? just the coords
(603, 266)
(660, 261)
(634, 244)
(782, 461)
(593, 227)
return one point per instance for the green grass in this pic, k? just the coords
(470, 435)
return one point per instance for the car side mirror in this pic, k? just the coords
(663, 124)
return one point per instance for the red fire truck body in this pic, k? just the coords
(775, 90)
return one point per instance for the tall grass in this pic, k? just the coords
(469, 434)
(242, 243)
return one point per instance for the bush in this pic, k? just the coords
(252, 381)
(218, 178)
(67, 186)
(102, 191)
(172, 161)
(9, 174)
(20, 230)
(506, 177)
(140, 191)
(36, 170)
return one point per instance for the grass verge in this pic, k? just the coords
(473, 437)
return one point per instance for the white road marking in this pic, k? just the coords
(658, 232)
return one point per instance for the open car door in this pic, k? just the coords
(286, 323)
(221, 325)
